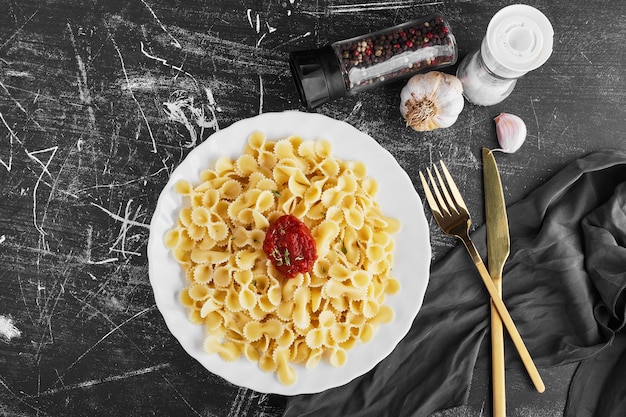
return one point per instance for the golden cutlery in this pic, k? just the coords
(452, 216)
(498, 248)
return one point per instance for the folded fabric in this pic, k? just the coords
(563, 284)
(598, 388)
(599, 385)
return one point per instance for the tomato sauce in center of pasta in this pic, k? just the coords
(289, 245)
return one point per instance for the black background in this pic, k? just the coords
(86, 146)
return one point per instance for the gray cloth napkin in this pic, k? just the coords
(563, 284)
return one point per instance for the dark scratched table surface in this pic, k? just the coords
(87, 142)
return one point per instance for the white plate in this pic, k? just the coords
(398, 199)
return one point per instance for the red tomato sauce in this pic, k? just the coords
(289, 246)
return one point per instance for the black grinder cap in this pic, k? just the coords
(317, 75)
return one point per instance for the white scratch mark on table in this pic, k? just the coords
(46, 313)
(38, 96)
(40, 289)
(182, 104)
(12, 136)
(261, 93)
(174, 40)
(182, 397)
(122, 184)
(256, 25)
(471, 127)
(585, 56)
(242, 402)
(113, 330)
(8, 330)
(127, 223)
(258, 43)
(92, 382)
(532, 106)
(294, 39)
(19, 29)
(88, 259)
(383, 5)
(355, 110)
(103, 261)
(20, 398)
(143, 115)
(81, 78)
(566, 129)
(19, 280)
(166, 63)
(33, 155)
(18, 104)
(86, 304)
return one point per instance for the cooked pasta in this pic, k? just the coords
(247, 308)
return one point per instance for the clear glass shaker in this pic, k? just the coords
(357, 64)
(519, 39)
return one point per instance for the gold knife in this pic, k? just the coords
(498, 248)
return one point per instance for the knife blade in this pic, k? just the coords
(498, 248)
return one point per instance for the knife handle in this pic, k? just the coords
(497, 357)
(505, 316)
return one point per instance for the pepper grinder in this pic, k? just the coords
(519, 39)
(357, 64)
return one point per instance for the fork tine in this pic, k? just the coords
(442, 202)
(434, 207)
(453, 189)
(449, 200)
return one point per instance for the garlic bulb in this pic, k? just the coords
(511, 132)
(432, 100)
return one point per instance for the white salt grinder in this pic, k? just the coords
(518, 40)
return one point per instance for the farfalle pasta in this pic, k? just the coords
(232, 288)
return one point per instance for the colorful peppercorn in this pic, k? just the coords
(419, 44)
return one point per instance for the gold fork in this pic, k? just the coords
(451, 214)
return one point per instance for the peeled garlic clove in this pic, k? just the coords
(432, 100)
(511, 132)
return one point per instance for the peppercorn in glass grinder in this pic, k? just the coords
(357, 64)
(519, 39)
